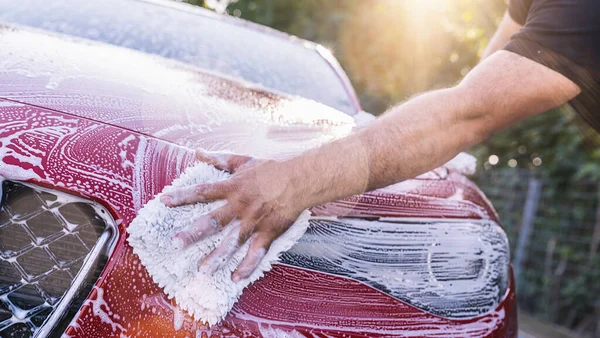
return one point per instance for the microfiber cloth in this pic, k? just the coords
(208, 298)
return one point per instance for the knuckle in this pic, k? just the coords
(258, 210)
(213, 222)
(241, 204)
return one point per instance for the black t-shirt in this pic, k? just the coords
(563, 35)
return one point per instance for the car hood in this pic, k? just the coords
(158, 97)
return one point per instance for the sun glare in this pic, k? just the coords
(406, 46)
(425, 6)
(424, 14)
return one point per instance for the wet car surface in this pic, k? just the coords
(111, 126)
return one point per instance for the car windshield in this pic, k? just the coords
(194, 37)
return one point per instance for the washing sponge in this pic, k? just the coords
(208, 298)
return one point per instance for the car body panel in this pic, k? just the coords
(116, 126)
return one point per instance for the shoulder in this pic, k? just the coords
(563, 34)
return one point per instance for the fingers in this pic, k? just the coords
(204, 227)
(221, 255)
(223, 161)
(181, 196)
(206, 192)
(259, 245)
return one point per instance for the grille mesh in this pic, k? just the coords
(46, 238)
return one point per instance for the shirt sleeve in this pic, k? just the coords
(563, 35)
(518, 10)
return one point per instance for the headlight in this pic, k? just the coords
(454, 269)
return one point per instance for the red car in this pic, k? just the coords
(102, 104)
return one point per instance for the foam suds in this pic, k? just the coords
(207, 298)
(463, 163)
(454, 269)
(102, 310)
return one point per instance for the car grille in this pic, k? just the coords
(53, 247)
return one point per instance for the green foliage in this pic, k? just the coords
(555, 138)
(579, 291)
(560, 279)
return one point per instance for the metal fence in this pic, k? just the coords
(554, 231)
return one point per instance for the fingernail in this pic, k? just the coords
(212, 223)
(166, 200)
(236, 278)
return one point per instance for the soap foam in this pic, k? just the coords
(207, 298)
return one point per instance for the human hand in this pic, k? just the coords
(262, 203)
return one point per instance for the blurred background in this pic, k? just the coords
(542, 175)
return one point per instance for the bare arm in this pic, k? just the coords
(430, 129)
(506, 29)
(265, 197)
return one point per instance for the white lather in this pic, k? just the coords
(208, 298)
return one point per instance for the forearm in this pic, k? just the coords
(410, 139)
